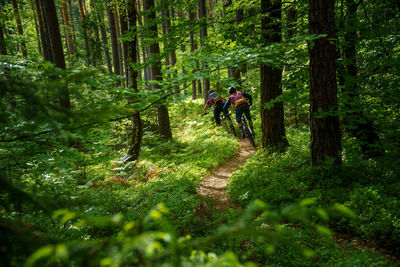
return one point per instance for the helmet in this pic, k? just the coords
(231, 90)
(210, 92)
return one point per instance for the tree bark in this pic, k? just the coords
(192, 17)
(272, 119)
(163, 116)
(57, 52)
(19, 28)
(145, 53)
(137, 125)
(203, 36)
(68, 36)
(3, 48)
(325, 133)
(44, 35)
(117, 30)
(165, 31)
(183, 49)
(104, 38)
(36, 26)
(69, 5)
(85, 33)
(114, 41)
(124, 29)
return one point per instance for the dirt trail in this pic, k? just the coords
(215, 184)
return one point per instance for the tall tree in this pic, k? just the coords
(103, 32)
(85, 31)
(145, 49)
(118, 32)
(150, 18)
(44, 35)
(203, 36)
(124, 29)
(3, 49)
(137, 125)
(114, 41)
(19, 28)
(57, 53)
(183, 49)
(272, 118)
(67, 28)
(192, 17)
(165, 31)
(325, 133)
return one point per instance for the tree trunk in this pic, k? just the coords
(192, 17)
(146, 69)
(121, 61)
(44, 35)
(68, 36)
(272, 119)
(19, 27)
(3, 49)
(165, 31)
(114, 41)
(124, 29)
(183, 49)
(85, 33)
(137, 125)
(72, 23)
(163, 116)
(325, 133)
(104, 38)
(57, 52)
(36, 26)
(203, 36)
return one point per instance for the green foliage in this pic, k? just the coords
(278, 179)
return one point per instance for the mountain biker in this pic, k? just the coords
(218, 102)
(241, 105)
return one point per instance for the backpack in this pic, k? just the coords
(214, 97)
(237, 99)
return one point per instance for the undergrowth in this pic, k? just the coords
(367, 186)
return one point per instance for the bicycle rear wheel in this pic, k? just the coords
(249, 135)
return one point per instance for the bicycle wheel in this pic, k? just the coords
(228, 126)
(249, 135)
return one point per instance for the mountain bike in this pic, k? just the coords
(249, 134)
(226, 122)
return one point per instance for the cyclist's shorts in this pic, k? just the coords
(239, 112)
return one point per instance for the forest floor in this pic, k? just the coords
(213, 189)
(214, 185)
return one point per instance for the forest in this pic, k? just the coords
(111, 155)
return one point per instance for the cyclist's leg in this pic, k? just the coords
(217, 112)
(246, 111)
(239, 114)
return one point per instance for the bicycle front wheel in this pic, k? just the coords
(228, 126)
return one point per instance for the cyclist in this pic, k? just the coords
(241, 105)
(218, 102)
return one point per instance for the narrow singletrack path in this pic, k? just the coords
(214, 185)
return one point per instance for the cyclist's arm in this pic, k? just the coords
(205, 108)
(226, 106)
(208, 103)
(248, 97)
